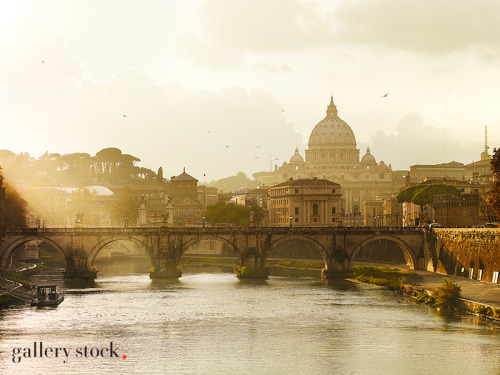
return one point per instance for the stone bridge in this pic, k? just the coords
(337, 245)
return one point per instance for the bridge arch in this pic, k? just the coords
(106, 241)
(10, 248)
(316, 244)
(408, 253)
(197, 239)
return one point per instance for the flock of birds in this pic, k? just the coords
(227, 146)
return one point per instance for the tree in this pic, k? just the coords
(424, 194)
(407, 194)
(15, 208)
(494, 194)
(127, 205)
(12, 207)
(160, 175)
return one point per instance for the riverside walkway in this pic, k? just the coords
(472, 290)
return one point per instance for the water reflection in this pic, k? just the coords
(208, 321)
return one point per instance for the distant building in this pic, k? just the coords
(207, 196)
(452, 170)
(186, 206)
(332, 155)
(385, 211)
(57, 206)
(457, 210)
(250, 197)
(305, 202)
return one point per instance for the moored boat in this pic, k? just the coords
(47, 295)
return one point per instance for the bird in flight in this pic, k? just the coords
(124, 115)
(227, 146)
(258, 146)
(282, 110)
(385, 95)
(204, 175)
(43, 62)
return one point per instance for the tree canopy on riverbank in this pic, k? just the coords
(424, 194)
(494, 194)
(13, 208)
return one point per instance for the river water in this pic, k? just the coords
(209, 322)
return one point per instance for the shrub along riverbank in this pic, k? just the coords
(393, 278)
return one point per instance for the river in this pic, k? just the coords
(209, 322)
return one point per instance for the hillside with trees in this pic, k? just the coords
(109, 165)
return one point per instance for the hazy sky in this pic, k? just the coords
(194, 77)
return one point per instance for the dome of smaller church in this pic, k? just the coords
(296, 158)
(368, 158)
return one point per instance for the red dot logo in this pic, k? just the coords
(124, 356)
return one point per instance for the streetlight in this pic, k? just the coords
(203, 221)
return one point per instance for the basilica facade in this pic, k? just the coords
(332, 155)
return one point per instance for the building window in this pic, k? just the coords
(296, 210)
(296, 190)
(333, 220)
(333, 191)
(333, 210)
(197, 212)
(315, 220)
(176, 213)
(382, 176)
(296, 219)
(315, 209)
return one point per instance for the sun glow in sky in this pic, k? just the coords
(194, 77)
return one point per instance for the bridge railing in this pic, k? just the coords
(206, 230)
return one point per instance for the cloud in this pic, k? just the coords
(426, 26)
(282, 68)
(416, 143)
(52, 106)
(228, 28)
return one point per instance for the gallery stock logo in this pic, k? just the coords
(39, 350)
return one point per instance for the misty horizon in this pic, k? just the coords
(225, 86)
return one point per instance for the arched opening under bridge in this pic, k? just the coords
(120, 256)
(298, 251)
(384, 250)
(209, 255)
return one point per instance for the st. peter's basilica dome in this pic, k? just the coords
(332, 131)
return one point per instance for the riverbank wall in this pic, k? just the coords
(468, 252)
(486, 311)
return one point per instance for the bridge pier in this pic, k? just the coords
(252, 266)
(168, 270)
(335, 269)
(338, 264)
(77, 266)
(166, 262)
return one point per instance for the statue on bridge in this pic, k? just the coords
(78, 219)
(165, 215)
